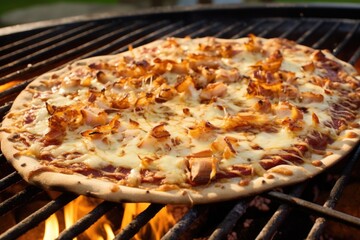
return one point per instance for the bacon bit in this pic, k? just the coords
(185, 85)
(61, 119)
(244, 182)
(218, 146)
(309, 97)
(273, 62)
(263, 106)
(251, 121)
(122, 103)
(165, 94)
(315, 119)
(212, 90)
(85, 81)
(102, 130)
(318, 141)
(227, 75)
(317, 163)
(159, 132)
(352, 135)
(94, 117)
(134, 123)
(176, 141)
(202, 130)
(253, 45)
(101, 77)
(310, 67)
(282, 170)
(171, 42)
(201, 154)
(255, 146)
(228, 153)
(50, 108)
(186, 111)
(260, 89)
(201, 170)
(229, 150)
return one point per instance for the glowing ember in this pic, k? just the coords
(8, 85)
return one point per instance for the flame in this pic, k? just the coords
(70, 214)
(156, 227)
(103, 228)
(9, 85)
(51, 228)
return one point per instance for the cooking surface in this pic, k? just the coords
(32, 49)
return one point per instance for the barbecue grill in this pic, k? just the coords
(293, 212)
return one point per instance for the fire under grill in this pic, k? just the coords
(297, 212)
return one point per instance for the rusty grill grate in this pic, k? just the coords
(32, 49)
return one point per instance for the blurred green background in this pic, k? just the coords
(22, 11)
(10, 5)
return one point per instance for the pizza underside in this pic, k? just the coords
(185, 120)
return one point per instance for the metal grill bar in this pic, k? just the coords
(187, 29)
(141, 219)
(205, 30)
(184, 223)
(355, 56)
(229, 221)
(345, 41)
(286, 33)
(149, 37)
(42, 54)
(279, 216)
(15, 89)
(249, 29)
(9, 180)
(44, 45)
(309, 32)
(6, 107)
(19, 199)
(124, 37)
(316, 209)
(76, 52)
(270, 29)
(335, 194)
(85, 222)
(326, 36)
(24, 42)
(40, 215)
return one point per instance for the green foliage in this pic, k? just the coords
(6, 6)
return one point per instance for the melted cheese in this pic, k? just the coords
(136, 145)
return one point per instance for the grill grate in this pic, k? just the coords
(30, 50)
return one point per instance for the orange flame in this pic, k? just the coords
(9, 85)
(51, 228)
(103, 228)
(156, 228)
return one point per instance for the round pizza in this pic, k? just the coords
(183, 120)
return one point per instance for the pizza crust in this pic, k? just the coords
(224, 189)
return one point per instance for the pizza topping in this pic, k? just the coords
(190, 112)
(201, 169)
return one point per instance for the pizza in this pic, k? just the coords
(186, 121)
